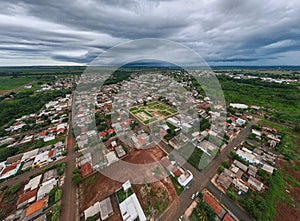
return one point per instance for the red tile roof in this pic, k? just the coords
(37, 206)
(10, 167)
(43, 133)
(86, 169)
(141, 140)
(227, 217)
(102, 134)
(212, 203)
(111, 130)
(26, 196)
(176, 172)
(51, 153)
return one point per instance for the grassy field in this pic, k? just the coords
(283, 98)
(10, 83)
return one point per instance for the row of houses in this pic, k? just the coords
(31, 159)
(33, 201)
(242, 176)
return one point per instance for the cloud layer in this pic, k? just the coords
(231, 32)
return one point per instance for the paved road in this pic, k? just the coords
(231, 206)
(69, 199)
(203, 177)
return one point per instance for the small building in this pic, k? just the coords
(240, 185)
(106, 209)
(92, 211)
(249, 157)
(86, 170)
(240, 122)
(10, 170)
(45, 188)
(120, 151)
(185, 178)
(111, 157)
(49, 175)
(29, 155)
(252, 170)
(41, 159)
(256, 132)
(227, 217)
(238, 106)
(26, 198)
(131, 209)
(36, 209)
(174, 122)
(33, 183)
(268, 168)
(240, 165)
(224, 181)
(255, 183)
(214, 205)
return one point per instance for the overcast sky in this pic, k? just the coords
(223, 32)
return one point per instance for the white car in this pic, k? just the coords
(193, 196)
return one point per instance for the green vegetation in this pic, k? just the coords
(195, 157)
(54, 196)
(60, 167)
(203, 212)
(14, 188)
(281, 97)
(148, 108)
(56, 211)
(76, 178)
(262, 206)
(4, 188)
(12, 82)
(118, 76)
(288, 144)
(122, 195)
(26, 103)
(204, 124)
(178, 188)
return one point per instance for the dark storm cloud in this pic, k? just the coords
(225, 32)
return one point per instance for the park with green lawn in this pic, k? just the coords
(151, 112)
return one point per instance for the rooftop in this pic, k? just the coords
(35, 207)
(212, 203)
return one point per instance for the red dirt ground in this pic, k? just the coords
(9, 202)
(285, 211)
(97, 187)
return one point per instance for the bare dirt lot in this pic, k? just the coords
(8, 199)
(154, 197)
(284, 210)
